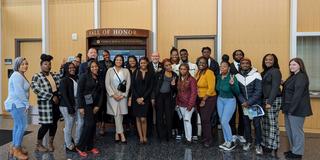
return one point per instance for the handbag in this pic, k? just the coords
(122, 87)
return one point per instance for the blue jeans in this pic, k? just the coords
(69, 122)
(79, 126)
(226, 107)
(19, 116)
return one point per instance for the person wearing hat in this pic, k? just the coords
(45, 85)
(17, 104)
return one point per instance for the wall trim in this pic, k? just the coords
(293, 28)
(17, 44)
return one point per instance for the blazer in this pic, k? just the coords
(18, 92)
(111, 83)
(42, 88)
(88, 85)
(214, 66)
(151, 68)
(296, 96)
(233, 69)
(67, 94)
(271, 81)
(141, 87)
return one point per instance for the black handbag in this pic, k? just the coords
(122, 87)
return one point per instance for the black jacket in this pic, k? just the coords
(158, 80)
(67, 94)
(141, 87)
(88, 85)
(250, 87)
(296, 96)
(233, 69)
(271, 81)
(151, 68)
(214, 66)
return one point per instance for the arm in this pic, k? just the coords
(300, 86)
(276, 81)
(80, 92)
(128, 79)
(108, 82)
(194, 93)
(211, 80)
(36, 87)
(65, 94)
(18, 82)
(235, 87)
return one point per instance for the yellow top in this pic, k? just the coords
(206, 83)
(52, 83)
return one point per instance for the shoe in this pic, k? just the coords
(222, 146)
(293, 156)
(286, 153)
(117, 139)
(22, 149)
(242, 139)
(187, 142)
(228, 146)
(195, 138)
(95, 151)
(246, 146)
(18, 154)
(259, 150)
(82, 154)
(178, 137)
(234, 138)
(266, 150)
(40, 147)
(50, 146)
(207, 145)
(73, 149)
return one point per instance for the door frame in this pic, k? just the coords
(18, 41)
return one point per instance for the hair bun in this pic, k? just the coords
(45, 57)
(225, 58)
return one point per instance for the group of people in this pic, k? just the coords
(176, 91)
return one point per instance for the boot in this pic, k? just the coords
(23, 150)
(51, 147)
(40, 147)
(18, 154)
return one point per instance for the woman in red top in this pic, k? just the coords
(186, 98)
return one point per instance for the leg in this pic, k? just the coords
(298, 134)
(69, 120)
(159, 110)
(257, 128)
(187, 123)
(228, 111)
(22, 123)
(220, 107)
(139, 128)
(194, 121)
(247, 129)
(143, 121)
(274, 132)
(169, 116)
(241, 124)
(79, 126)
(266, 128)
(288, 130)
(205, 113)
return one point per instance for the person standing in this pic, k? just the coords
(45, 85)
(296, 106)
(227, 88)
(90, 100)
(186, 98)
(117, 83)
(207, 98)
(68, 91)
(271, 81)
(250, 96)
(141, 85)
(175, 59)
(91, 55)
(17, 103)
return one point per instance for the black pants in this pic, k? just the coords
(88, 131)
(232, 122)
(194, 123)
(177, 123)
(164, 110)
(150, 121)
(52, 127)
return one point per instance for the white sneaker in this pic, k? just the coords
(246, 146)
(229, 146)
(195, 138)
(234, 138)
(222, 146)
(259, 150)
(178, 137)
(242, 139)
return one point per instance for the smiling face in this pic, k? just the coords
(155, 57)
(183, 70)
(202, 64)
(118, 62)
(72, 69)
(238, 56)
(294, 67)
(132, 62)
(94, 68)
(92, 53)
(224, 68)
(168, 66)
(174, 56)
(184, 56)
(23, 66)
(245, 65)
(106, 56)
(143, 64)
(206, 53)
(269, 61)
(46, 66)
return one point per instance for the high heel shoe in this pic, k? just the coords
(123, 139)
(117, 139)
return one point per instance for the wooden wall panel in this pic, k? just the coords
(308, 16)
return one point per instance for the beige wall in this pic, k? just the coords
(310, 9)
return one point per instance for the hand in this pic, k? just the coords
(245, 104)
(116, 97)
(231, 82)
(95, 109)
(173, 82)
(153, 102)
(268, 106)
(55, 99)
(120, 98)
(129, 102)
(202, 103)
(81, 110)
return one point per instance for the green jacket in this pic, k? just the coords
(224, 89)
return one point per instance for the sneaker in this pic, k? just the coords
(195, 138)
(95, 151)
(246, 146)
(234, 138)
(293, 156)
(259, 149)
(242, 139)
(178, 137)
(222, 146)
(229, 146)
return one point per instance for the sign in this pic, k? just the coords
(119, 32)
(7, 61)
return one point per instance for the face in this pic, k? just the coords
(118, 62)
(294, 67)
(106, 56)
(224, 68)
(269, 61)
(46, 66)
(202, 64)
(72, 69)
(92, 53)
(245, 65)
(155, 57)
(174, 56)
(238, 56)
(206, 53)
(23, 66)
(183, 70)
(132, 62)
(76, 62)
(143, 64)
(167, 66)
(94, 68)
(184, 56)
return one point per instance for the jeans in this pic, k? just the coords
(187, 121)
(226, 108)
(69, 122)
(79, 126)
(19, 116)
(257, 129)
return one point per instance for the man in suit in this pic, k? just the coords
(212, 63)
(235, 65)
(91, 54)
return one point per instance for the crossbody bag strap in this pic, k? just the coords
(117, 75)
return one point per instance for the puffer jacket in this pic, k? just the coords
(250, 87)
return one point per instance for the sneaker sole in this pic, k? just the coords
(229, 149)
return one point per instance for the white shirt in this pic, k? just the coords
(193, 68)
(236, 64)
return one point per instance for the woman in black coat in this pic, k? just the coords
(90, 99)
(142, 82)
(296, 106)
